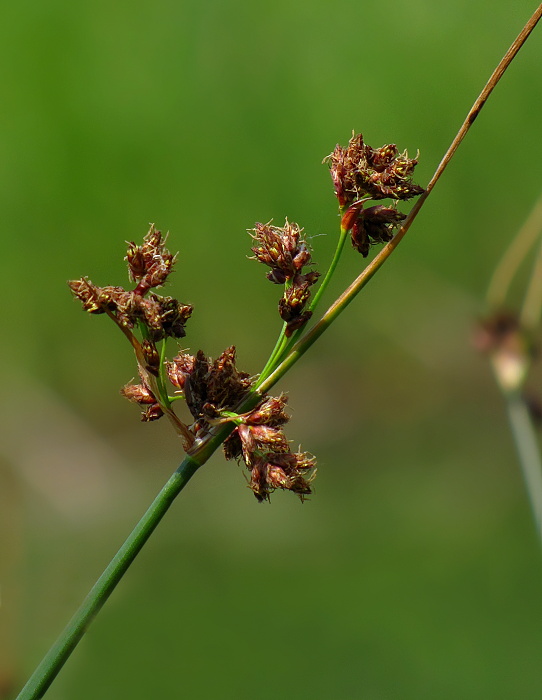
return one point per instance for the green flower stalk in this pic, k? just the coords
(359, 174)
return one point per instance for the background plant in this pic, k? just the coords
(438, 513)
(509, 336)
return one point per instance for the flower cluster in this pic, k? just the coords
(260, 441)
(210, 388)
(378, 173)
(285, 251)
(370, 226)
(213, 390)
(143, 395)
(142, 310)
(149, 266)
(361, 173)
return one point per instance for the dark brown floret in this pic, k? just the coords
(293, 302)
(96, 300)
(226, 384)
(232, 446)
(374, 225)
(153, 412)
(211, 387)
(143, 396)
(150, 263)
(163, 316)
(360, 170)
(286, 253)
(282, 249)
(260, 441)
(297, 322)
(138, 393)
(276, 471)
(172, 317)
(270, 412)
(179, 368)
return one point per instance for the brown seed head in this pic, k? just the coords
(360, 170)
(150, 263)
(212, 387)
(266, 452)
(88, 294)
(138, 393)
(226, 385)
(269, 439)
(142, 395)
(163, 316)
(374, 225)
(97, 300)
(278, 471)
(292, 303)
(282, 249)
(151, 413)
(180, 368)
(270, 412)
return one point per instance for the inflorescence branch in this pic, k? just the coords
(214, 390)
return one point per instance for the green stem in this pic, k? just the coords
(301, 347)
(528, 453)
(59, 653)
(161, 379)
(342, 302)
(51, 664)
(284, 344)
(269, 365)
(513, 257)
(329, 274)
(277, 350)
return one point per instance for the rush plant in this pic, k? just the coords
(509, 338)
(225, 406)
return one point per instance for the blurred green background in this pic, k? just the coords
(414, 571)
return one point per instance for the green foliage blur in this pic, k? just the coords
(414, 571)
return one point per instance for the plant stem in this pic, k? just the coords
(284, 344)
(277, 350)
(357, 285)
(532, 305)
(161, 378)
(58, 654)
(528, 453)
(515, 254)
(329, 274)
(342, 302)
(269, 365)
(51, 664)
